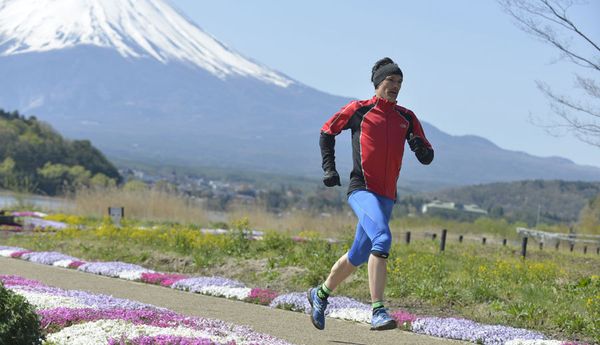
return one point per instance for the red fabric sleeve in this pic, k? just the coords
(338, 121)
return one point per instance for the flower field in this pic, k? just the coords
(554, 294)
(77, 317)
(99, 319)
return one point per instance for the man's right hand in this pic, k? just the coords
(331, 178)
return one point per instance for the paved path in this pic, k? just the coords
(291, 326)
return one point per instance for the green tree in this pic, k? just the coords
(42, 161)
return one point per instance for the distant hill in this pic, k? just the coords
(557, 201)
(35, 158)
(147, 85)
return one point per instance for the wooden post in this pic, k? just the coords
(541, 245)
(584, 249)
(504, 242)
(407, 238)
(557, 245)
(524, 247)
(483, 240)
(443, 242)
(460, 238)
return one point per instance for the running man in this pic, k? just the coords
(379, 129)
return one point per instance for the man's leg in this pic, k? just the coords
(341, 270)
(377, 266)
(374, 214)
(377, 277)
(317, 296)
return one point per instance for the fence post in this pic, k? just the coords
(557, 245)
(541, 245)
(116, 214)
(433, 236)
(460, 238)
(504, 242)
(443, 242)
(483, 240)
(584, 249)
(407, 238)
(524, 247)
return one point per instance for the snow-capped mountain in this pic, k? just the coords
(144, 83)
(134, 28)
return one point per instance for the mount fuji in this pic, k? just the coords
(144, 83)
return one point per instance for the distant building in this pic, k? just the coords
(452, 209)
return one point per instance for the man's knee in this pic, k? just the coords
(356, 259)
(382, 244)
(380, 254)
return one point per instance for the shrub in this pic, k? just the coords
(19, 324)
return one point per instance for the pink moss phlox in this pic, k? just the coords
(9, 280)
(262, 296)
(20, 253)
(164, 279)
(76, 264)
(403, 318)
(164, 340)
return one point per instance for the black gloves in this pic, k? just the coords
(423, 153)
(331, 178)
(416, 144)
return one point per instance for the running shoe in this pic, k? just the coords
(318, 306)
(381, 320)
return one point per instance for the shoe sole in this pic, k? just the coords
(386, 326)
(311, 310)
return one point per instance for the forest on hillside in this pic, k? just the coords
(533, 201)
(34, 158)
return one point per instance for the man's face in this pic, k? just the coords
(389, 88)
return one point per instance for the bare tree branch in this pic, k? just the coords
(547, 20)
(531, 18)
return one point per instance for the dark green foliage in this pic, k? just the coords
(19, 324)
(35, 158)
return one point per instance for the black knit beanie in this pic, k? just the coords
(383, 69)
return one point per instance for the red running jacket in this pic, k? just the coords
(379, 130)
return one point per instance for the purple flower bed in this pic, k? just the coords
(92, 300)
(297, 301)
(165, 340)
(46, 258)
(261, 296)
(471, 331)
(164, 279)
(111, 269)
(58, 318)
(57, 321)
(196, 284)
(10, 281)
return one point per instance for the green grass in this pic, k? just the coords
(557, 293)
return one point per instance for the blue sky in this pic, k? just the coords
(467, 68)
